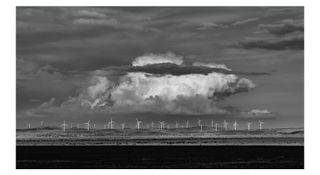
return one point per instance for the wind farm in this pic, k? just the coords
(111, 145)
(197, 132)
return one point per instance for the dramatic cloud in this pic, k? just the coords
(139, 92)
(141, 89)
(156, 59)
(287, 43)
(284, 27)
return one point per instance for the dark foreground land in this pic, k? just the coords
(189, 157)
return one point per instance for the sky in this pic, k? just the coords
(160, 64)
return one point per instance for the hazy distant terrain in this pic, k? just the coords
(181, 136)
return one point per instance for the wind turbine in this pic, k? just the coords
(225, 125)
(41, 123)
(122, 126)
(199, 122)
(216, 127)
(235, 124)
(187, 124)
(249, 124)
(29, 125)
(260, 125)
(212, 122)
(138, 124)
(64, 125)
(152, 125)
(88, 125)
(162, 123)
(111, 123)
(201, 127)
(177, 125)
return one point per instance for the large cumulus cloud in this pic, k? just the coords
(139, 91)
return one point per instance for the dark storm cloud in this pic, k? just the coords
(173, 69)
(284, 27)
(288, 43)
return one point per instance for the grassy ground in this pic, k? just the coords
(79, 136)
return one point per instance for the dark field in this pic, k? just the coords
(189, 157)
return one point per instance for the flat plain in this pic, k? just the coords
(185, 148)
(184, 136)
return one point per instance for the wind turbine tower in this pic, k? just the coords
(260, 125)
(177, 125)
(29, 125)
(122, 126)
(64, 125)
(162, 123)
(235, 124)
(41, 123)
(212, 122)
(225, 125)
(249, 124)
(87, 125)
(111, 123)
(138, 124)
(216, 127)
(152, 125)
(199, 122)
(187, 124)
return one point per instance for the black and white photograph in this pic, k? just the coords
(159, 87)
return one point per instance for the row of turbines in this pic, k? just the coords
(161, 125)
